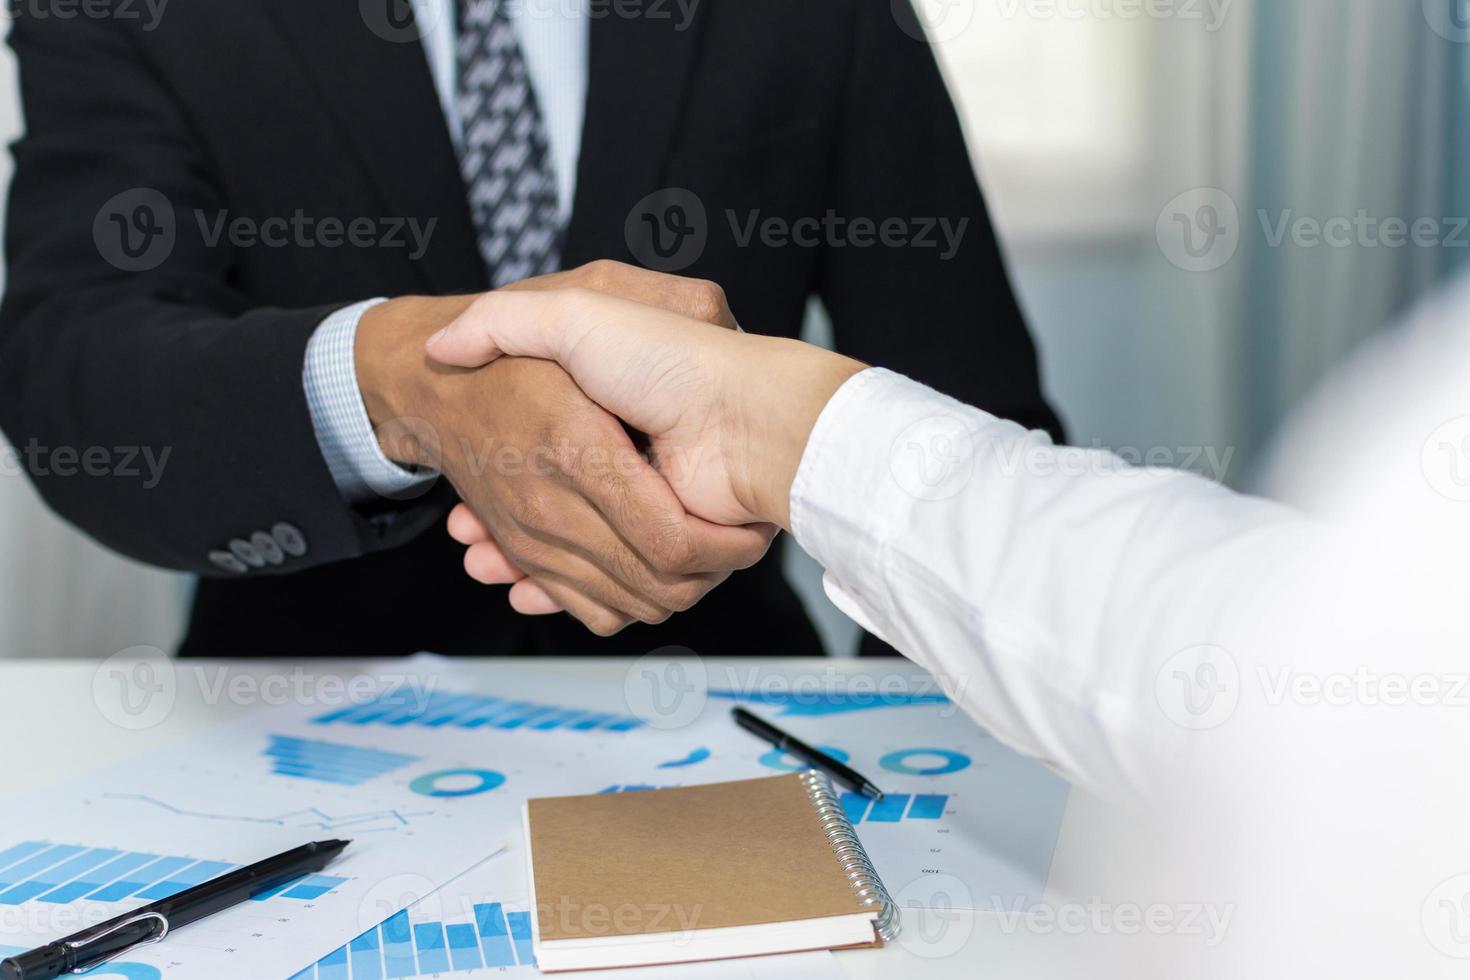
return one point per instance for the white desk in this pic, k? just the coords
(52, 729)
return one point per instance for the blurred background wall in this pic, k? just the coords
(1206, 205)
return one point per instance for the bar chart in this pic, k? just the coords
(893, 807)
(329, 762)
(400, 947)
(471, 711)
(59, 874)
(817, 703)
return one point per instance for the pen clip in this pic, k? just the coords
(78, 944)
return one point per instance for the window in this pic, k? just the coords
(1055, 102)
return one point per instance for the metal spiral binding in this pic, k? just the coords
(849, 850)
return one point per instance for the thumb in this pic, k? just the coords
(524, 323)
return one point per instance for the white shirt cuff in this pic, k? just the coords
(882, 444)
(343, 430)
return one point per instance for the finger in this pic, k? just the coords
(524, 322)
(487, 564)
(699, 299)
(596, 616)
(465, 527)
(643, 510)
(721, 548)
(696, 298)
(528, 598)
(615, 349)
(601, 568)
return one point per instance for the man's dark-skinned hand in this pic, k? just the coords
(583, 521)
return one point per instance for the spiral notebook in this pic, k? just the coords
(698, 873)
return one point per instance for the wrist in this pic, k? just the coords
(397, 381)
(779, 406)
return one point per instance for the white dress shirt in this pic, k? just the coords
(553, 35)
(1287, 698)
(1052, 582)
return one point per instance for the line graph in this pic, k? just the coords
(307, 817)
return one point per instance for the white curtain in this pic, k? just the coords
(1357, 111)
(1303, 109)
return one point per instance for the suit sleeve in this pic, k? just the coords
(122, 335)
(940, 308)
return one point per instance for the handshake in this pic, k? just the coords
(525, 402)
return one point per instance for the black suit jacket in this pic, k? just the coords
(265, 109)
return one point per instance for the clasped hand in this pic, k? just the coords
(596, 527)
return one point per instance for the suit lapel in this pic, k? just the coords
(382, 98)
(638, 72)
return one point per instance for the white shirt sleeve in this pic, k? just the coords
(340, 419)
(1057, 592)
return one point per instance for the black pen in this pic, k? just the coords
(786, 742)
(92, 947)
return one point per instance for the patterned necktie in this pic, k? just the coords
(504, 154)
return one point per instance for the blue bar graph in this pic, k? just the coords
(313, 888)
(889, 809)
(559, 718)
(927, 807)
(400, 947)
(13, 854)
(333, 966)
(329, 762)
(464, 947)
(195, 874)
(477, 711)
(855, 805)
(59, 874)
(497, 712)
(429, 938)
(367, 961)
(97, 877)
(520, 935)
(147, 875)
(38, 862)
(55, 875)
(893, 807)
(632, 788)
(494, 936)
